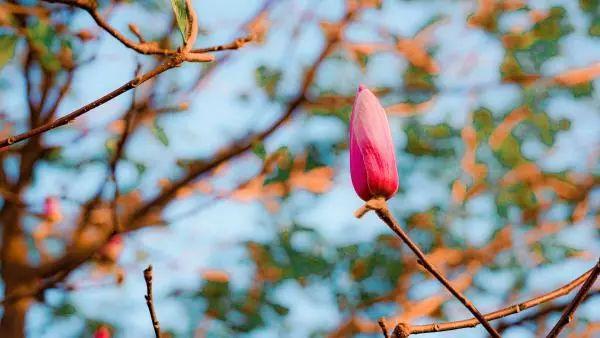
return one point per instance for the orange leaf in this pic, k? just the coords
(459, 191)
(578, 76)
(416, 53)
(503, 130)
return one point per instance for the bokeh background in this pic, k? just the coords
(495, 113)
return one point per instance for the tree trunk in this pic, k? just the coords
(17, 274)
(13, 321)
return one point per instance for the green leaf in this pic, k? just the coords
(258, 148)
(159, 133)
(268, 79)
(594, 29)
(44, 41)
(65, 310)
(111, 146)
(280, 309)
(7, 48)
(182, 16)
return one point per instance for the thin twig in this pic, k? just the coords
(383, 327)
(502, 326)
(78, 112)
(150, 300)
(567, 315)
(504, 312)
(379, 205)
(236, 44)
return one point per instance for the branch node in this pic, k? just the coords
(402, 330)
(375, 204)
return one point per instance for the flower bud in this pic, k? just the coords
(102, 332)
(372, 157)
(52, 209)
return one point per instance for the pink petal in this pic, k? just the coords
(358, 172)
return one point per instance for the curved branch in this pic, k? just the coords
(567, 315)
(507, 311)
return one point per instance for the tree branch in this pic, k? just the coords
(237, 44)
(150, 301)
(78, 112)
(567, 315)
(245, 144)
(541, 313)
(142, 47)
(379, 205)
(78, 254)
(505, 312)
(151, 48)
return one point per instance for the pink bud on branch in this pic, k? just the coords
(52, 209)
(102, 332)
(372, 157)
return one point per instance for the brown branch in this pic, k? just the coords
(62, 92)
(505, 312)
(379, 205)
(24, 10)
(383, 326)
(136, 31)
(142, 48)
(567, 315)
(78, 112)
(150, 301)
(80, 253)
(542, 312)
(245, 144)
(237, 44)
(149, 48)
(129, 116)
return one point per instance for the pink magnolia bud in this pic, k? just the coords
(52, 209)
(372, 158)
(102, 332)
